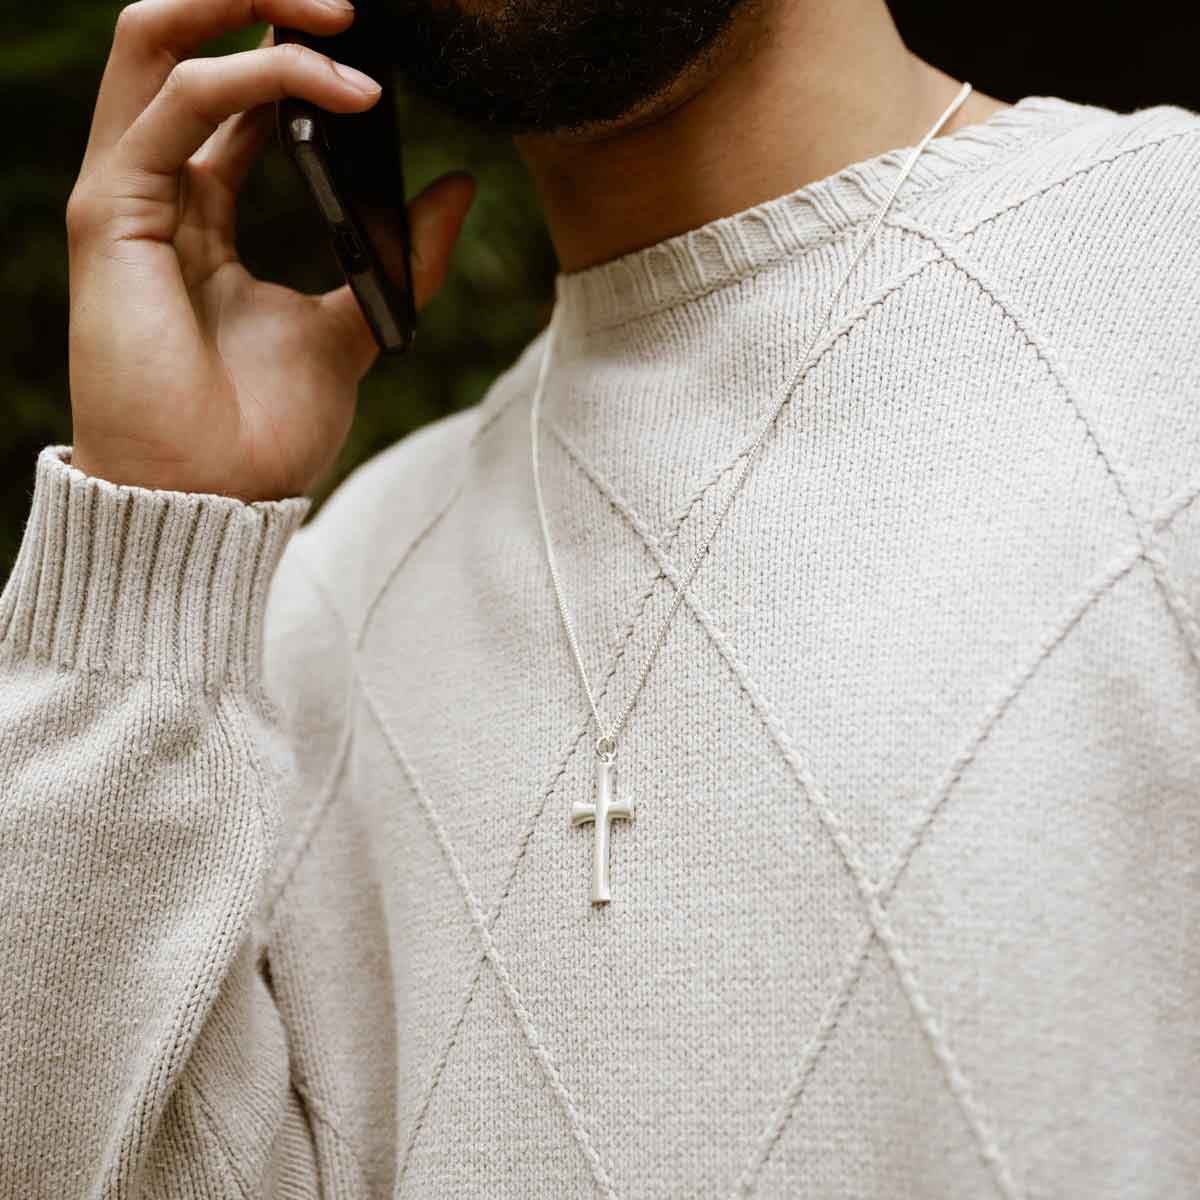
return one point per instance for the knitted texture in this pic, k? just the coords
(290, 900)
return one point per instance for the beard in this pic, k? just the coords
(551, 66)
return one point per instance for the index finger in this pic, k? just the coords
(152, 36)
(203, 92)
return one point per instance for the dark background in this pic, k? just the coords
(1120, 54)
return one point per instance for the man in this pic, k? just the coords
(895, 801)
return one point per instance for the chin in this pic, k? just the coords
(583, 68)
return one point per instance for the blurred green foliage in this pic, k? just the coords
(498, 295)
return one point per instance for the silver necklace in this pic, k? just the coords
(607, 806)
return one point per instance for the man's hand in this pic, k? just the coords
(188, 373)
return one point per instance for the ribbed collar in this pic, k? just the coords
(728, 248)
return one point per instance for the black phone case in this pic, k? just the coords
(352, 165)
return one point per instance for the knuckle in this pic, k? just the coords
(293, 53)
(83, 215)
(181, 80)
(79, 212)
(131, 20)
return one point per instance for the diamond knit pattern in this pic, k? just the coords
(909, 906)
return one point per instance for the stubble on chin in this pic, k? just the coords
(532, 67)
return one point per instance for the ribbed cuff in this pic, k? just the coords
(125, 579)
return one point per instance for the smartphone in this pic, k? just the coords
(352, 165)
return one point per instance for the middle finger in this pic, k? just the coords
(153, 35)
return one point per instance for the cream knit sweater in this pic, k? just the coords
(290, 901)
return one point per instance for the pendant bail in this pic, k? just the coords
(606, 747)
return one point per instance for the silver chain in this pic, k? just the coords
(606, 742)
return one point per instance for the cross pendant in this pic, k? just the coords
(606, 809)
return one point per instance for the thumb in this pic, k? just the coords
(435, 217)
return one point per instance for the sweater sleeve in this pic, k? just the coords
(141, 775)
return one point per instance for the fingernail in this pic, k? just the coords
(357, 79)
(337, 5)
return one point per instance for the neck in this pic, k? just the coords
(797, 91)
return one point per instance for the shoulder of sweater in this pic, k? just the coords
(325, 582)
(1091, 160)
(1087, 242)
(323, 585)
(333, 571)
(345, 556)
